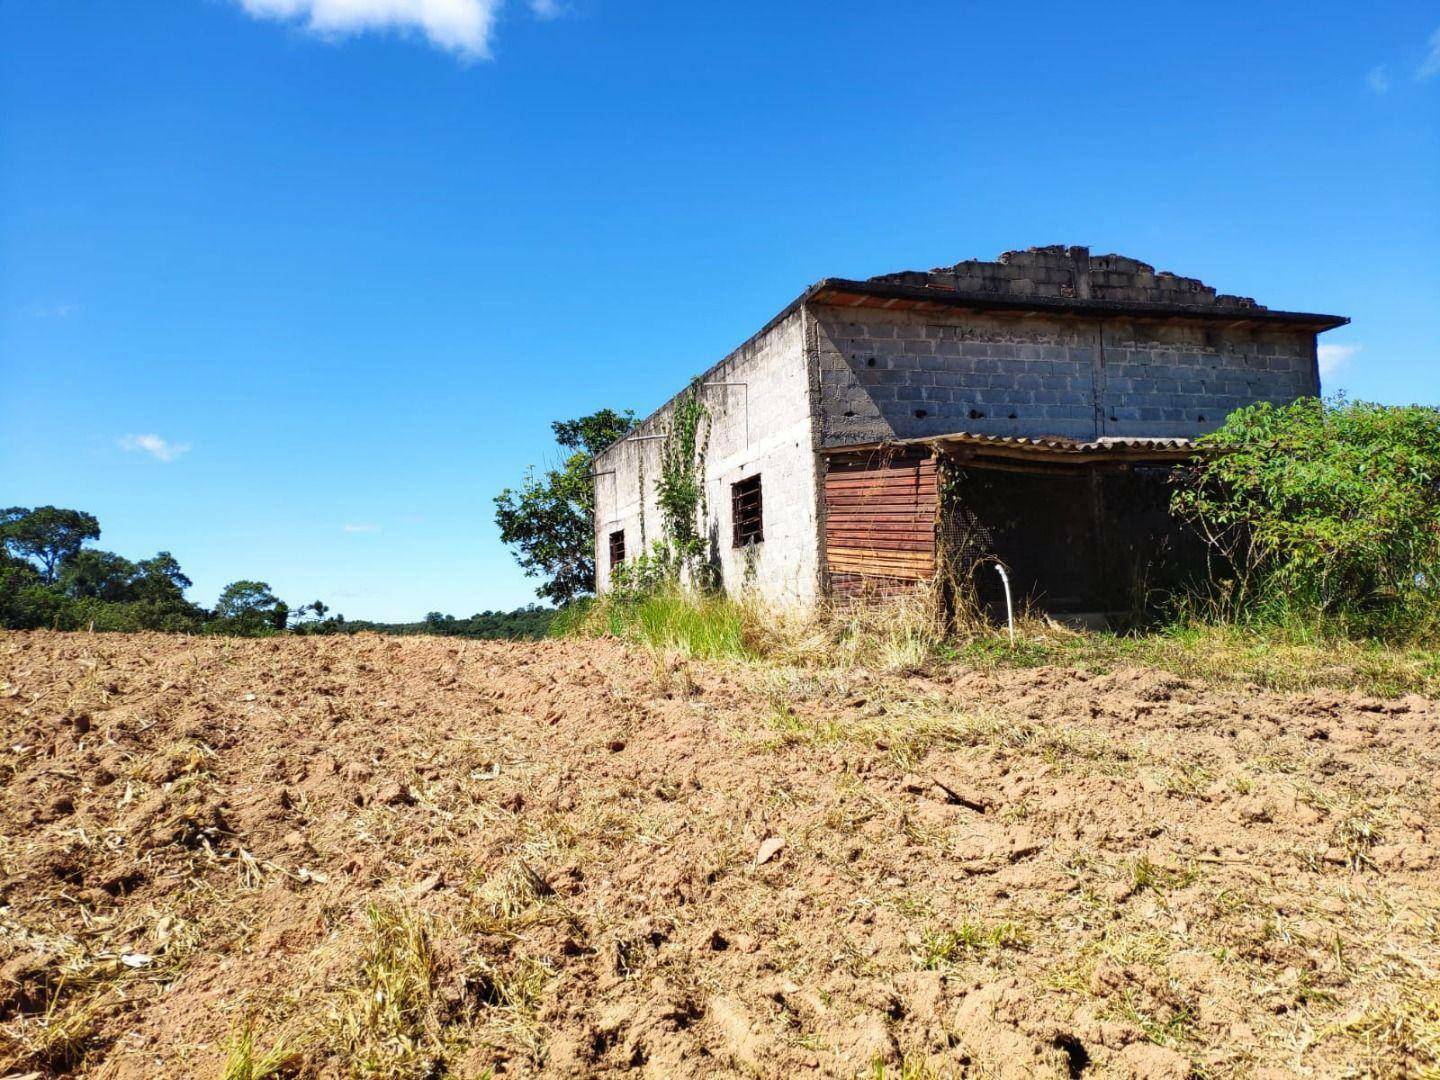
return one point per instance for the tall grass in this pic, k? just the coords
(247, 1061)
(899, 633)
(908, 633)
(670, 620)
(902, 632)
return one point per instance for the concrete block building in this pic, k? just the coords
(1027, 411)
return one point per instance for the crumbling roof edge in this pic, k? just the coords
(827, 289)
(1105, 445)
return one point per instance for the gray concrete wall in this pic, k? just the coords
(779, 445)
(899, 374)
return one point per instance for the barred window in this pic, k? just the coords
(746, 504)
(617, 548)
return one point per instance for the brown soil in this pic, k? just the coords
(424, 857)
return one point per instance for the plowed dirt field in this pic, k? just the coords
(422, 857)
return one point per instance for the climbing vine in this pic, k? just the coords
(680, 490)
(640, 460)
(680, 495)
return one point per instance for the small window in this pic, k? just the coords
(617, 548)
(746, 504)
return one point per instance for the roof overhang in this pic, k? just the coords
(842, 293)
(1054, 449)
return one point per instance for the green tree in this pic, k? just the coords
(549, 519)
(249, 608)
(160, 578)
(1331, 507)
(100, 575)
(159, 603)
(112, 593)
(26, 602)
(47, 535)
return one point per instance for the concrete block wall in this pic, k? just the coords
(1183, 380)
(779, 445)
(886, 374)
(898, 374)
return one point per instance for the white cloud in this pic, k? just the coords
(546, 10)
(461, 26)
(360, 527)
(1378, 79)
(1430, 66)
(158, 448)
(52, 311)
(1333, 357)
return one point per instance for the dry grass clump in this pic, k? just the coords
(387, 1024)
(1401, 1027)
(60, 1038)
(245, 1060)
(74, 981)
(386, 1017)
(401, 1010)
(896, 634)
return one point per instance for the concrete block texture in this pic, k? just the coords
(1097, 376)
(765, 427)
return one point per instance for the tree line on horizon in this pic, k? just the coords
(51, 579)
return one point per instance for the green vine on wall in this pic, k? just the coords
(680, 490)
(680, 494)
(640, 460)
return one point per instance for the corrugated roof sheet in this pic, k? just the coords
(1056, 442)
(1117, 444)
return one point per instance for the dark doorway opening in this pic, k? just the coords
(1074, 538)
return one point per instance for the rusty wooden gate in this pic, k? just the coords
(881, 508)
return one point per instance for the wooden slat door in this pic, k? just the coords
(881, 509)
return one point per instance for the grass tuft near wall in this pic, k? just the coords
(670, 620)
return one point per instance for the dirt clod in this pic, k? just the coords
(769, 848)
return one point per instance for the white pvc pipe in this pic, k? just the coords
(1009, 607)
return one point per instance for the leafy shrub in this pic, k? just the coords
(1325, 510)
(649, 572)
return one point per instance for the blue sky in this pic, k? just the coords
(292, 288)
